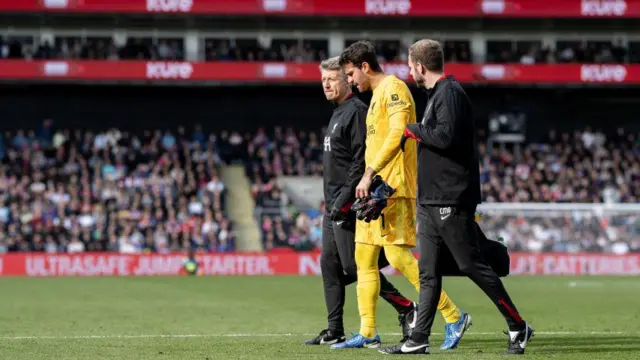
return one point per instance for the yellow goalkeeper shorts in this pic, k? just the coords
(395, 226)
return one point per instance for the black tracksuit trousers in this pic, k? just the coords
(454, 228)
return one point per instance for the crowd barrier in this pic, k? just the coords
(279, 263)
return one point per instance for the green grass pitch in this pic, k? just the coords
(267, 318)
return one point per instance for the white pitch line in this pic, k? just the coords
(249, 335)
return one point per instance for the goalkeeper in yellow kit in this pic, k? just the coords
(391, 109)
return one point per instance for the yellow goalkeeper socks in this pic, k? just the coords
(368, 289)
(448, 309)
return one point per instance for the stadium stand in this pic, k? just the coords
(91, 48)
(585, 166)
(292, 153)
(293, 50)
(74, 191)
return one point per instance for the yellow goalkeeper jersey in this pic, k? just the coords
(391, 109)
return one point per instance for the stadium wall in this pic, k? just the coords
(279, 263)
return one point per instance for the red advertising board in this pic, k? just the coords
(284, 263)
(152, 71)
(426, 8)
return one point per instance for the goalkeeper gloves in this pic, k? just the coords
(370, 208)
(409, 132)
(380, 188)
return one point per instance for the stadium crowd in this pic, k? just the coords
(285, 152)
(586, 166)
(556, 231)
(76, 191)
(92, 48)
(278, 50)
(73, 190)
(307, 50)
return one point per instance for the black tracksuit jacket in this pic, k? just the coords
(343, 157)
(448, 165)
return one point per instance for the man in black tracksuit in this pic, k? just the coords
(448, 194)
(343, 162)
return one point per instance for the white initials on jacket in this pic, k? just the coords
(327, 143)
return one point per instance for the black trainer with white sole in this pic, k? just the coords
(519, 340)
(326, 337)
(409, 347)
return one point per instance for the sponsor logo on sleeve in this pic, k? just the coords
(396, 101)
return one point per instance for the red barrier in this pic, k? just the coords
(113, 264)
(150, 71)
(574, 264)
(457, 8)
(282, 263)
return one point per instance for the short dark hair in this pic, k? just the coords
(429, 53)
(361, 52)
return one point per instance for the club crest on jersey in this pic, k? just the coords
(372, 108)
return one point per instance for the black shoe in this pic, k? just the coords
(518, 341)
(407, 348)
(408, 322)
(326, 337)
